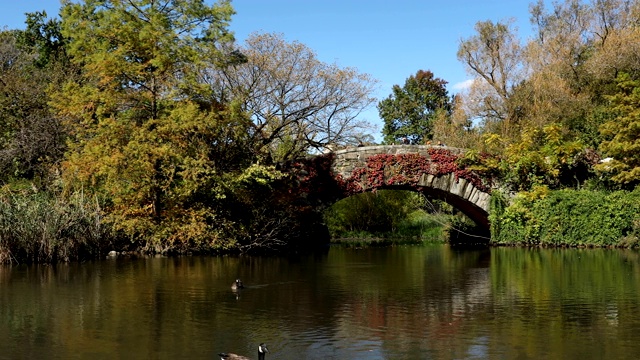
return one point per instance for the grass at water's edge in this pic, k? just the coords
(418, 230)
(44, 228)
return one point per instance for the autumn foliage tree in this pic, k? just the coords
(494, 56)
(558, 82)
(622, 133)
(139, 136)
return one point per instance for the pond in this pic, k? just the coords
(404, 302)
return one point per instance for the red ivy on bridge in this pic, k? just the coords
(406, 169)
(317, 184)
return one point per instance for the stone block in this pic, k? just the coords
(483, 201)
(467, 192)
(458, 187)
(474, 195)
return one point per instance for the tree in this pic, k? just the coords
(44, 38)
(623, 133)
(456, 129)
(32, 140)
(140, 136)
(409, 112)
(494, 58)
(296, 102)
(574, 31)
(560, 80)
(579, 50)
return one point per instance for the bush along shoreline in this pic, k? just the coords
(43, 227)
(567, 218)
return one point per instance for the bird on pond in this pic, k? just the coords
(262, 350)
(237, 285)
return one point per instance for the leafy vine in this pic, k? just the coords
(406, 169)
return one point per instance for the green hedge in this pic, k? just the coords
(569, 218)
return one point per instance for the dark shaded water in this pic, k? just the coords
(382, 303)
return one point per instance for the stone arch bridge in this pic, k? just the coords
(432, 170)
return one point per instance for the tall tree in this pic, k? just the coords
(494, 57)
(31, 138)
(541, 105)
(296, 102)
(623, 133)
(140, 135)
(43, 37)
(410, 111)
(573, 61)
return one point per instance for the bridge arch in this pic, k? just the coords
(432, 170)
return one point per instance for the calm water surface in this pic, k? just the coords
(384, 303)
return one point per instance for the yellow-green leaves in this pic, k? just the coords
(257, 174)
(139, 137)
(623, 133)
(540, 157)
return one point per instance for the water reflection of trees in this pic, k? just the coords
(393, 301)
(152, 306)
(419, 306)
(567, 296)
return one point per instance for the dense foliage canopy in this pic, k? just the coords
(138, 137)
(622, 133)
(544, 105)
(410, 111)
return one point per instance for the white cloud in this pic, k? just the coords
(463, 85)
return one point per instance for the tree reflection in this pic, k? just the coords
(398, 302)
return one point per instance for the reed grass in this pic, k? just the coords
(39, 227)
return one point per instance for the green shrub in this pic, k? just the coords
(396, 216)
(571, 218)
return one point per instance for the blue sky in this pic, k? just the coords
(388, 39)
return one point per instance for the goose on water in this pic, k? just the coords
(262, 350)
(237, 285)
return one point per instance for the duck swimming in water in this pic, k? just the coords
(262, 350)
(237, 285)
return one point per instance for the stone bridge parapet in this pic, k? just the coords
(347, 160)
